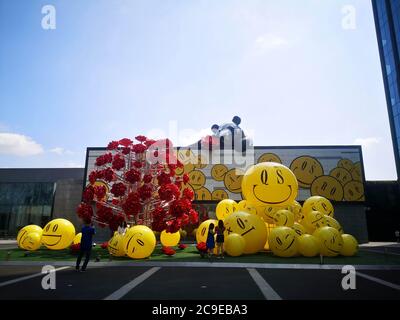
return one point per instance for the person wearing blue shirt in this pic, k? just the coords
(86, 245)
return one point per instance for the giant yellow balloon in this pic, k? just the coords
(58, 234)
(269, 184)
(77, 238)
(246, 206)
(308, 245)
(251, 227)
(139, 242)
(284, 218)
(313, 221)
(331, 241)
(32, 241)
(350, 245)
(23, 233)
(202, 230)
(170, 239)
(234, 245)
(318, 203)
(283, 242)
(225, 208)
(116, 245)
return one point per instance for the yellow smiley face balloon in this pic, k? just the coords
(350, 245)
(296, 208)
(299, 229)
(139, 242)
(246, 206)
(313, 221)
(23, 233)
(269, 184)
(284, 218)
(234, 245)
(250, 227)
(116, 245)
(77, 238)
(170, 239)
(283, 242)
(267, 213)
(32, 241)
(58, 234)
(202, 230)
(331, 222)
(225, 208)
(318, 203)
(331, 241)
(308, 245)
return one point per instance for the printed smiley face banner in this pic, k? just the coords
(333, 172)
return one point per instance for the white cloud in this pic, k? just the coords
(269, 41)
(19, 145)
(367, 142)
(61, 151)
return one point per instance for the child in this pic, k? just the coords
(86, 245)
(210, 240)
(220, 239)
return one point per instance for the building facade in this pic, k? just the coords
(35, 196)
(387, 23)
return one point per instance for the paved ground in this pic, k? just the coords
(197, 283)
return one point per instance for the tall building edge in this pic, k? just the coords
(385, 78)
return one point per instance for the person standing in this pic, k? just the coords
(210, 240)
(86, 245)
(220, 239)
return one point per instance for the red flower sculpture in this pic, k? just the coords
(141, 189)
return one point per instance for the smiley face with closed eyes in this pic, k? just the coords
(233, 180)
(197, 179)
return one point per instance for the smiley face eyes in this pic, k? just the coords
(279, 177)
(55, 227)
(140, 242)
(279, 241)
(48, 227)
(264, 177)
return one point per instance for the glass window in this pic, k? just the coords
(24, 203)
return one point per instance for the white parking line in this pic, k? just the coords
(129, 286)
(6, 283)
(377, 280)
(266, 289)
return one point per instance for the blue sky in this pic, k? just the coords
(114, 69)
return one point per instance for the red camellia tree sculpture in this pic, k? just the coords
(136, 183)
